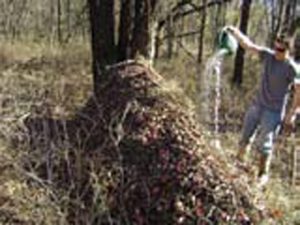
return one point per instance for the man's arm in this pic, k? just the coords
(244, 41)
(294, 109)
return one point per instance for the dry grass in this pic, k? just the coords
(36, 79)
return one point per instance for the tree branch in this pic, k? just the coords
(179, 14)
(185, 34)
(190, 54)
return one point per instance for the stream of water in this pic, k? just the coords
(212, 93)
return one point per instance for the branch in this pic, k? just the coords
(190, 54)
(185, 34)
(194, 9)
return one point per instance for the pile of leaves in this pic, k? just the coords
(135, 154)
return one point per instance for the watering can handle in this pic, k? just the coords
(229, 29)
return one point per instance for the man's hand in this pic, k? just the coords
(230, 29)
(288, 126)
(243, 40)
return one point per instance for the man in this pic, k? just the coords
(266, 111)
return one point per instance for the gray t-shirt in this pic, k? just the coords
(276, 77)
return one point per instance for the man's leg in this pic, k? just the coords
(264, 164)
(265, 140)
(251, 121)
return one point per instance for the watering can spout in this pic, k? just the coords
(226, 42)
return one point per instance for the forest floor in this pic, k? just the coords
(39, 81)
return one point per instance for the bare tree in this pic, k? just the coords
(277, 9)
(239, 59)
(143, 11)
(134, 32)
(170, 36)
(289, 18)
(68, 15)
(102, 36)
(125, 29)
(59, 15)
(201, 35)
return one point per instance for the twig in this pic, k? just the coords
(186, 50)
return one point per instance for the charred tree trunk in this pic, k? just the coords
(140, 37)
(134, 32)
(102, 37)
(125, 29)
(143, 9)
(239, 59)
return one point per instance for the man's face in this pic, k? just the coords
(280, 47)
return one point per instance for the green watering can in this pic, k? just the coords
(226, 42)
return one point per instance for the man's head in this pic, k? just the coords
(281, 46)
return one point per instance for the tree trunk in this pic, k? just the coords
(59, 34)
(239, 59)
(141, 31)
(157, 42)
(125, 29)
(202, 32)
(102, 37)
(132, 41)
(295, 20)
(68, 17)
(287, 17)
(140, 36)
(276, 19)
(170, 37)
(52, 22)
(153, 44)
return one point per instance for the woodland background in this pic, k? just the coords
(53, 55)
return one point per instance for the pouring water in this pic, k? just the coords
(226, 45)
